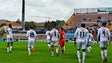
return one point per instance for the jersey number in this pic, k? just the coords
(81, 34)
(104, 33)
(31, 34)
(55, 33)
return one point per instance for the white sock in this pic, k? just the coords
(29, 52)
(84, 56)
(88, 49)
(7, 49)
(83, 61)
(56, 50)
(105, 53)
(102, 54)
(78, 55)
(52, 53)
(49, 45)
(64, 48)
(10, 48)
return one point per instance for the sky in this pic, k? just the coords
(44, 10)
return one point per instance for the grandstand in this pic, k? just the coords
(89, 16)
(92, 17)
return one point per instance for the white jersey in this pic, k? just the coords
(103, 34)
(31, 34)
(54, 34)
(90, 37)
(81, 34)
(48, 34)
(9, 33)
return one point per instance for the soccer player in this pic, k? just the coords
(31, 34)
(62, 39)
(103, 36)
(81, 35)
(90, 36)
(54, 40)
(48, 33)
(9, 38)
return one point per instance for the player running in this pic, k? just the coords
(90, 36)
(54, 40)
(62, 39)
(48, 34)
(31, 34)
(81, 35)
(9, 38)
(103, 36)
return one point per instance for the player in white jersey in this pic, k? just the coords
(9, 38)
(81, 35)
(103, 36)
(54, 40)
(48, 34)
(31, 34)
(89, 41)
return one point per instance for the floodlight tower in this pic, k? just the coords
(23, 14)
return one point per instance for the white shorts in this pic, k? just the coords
(82, 45)
(54, 43)
(9, 40)
(48, 41)
(30, 43)
(103, 44)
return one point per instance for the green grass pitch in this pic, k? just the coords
(42, 55)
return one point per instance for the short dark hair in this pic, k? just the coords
(31, 27)
(48, 29)
(62, 29)
(53, 27)
(10, 25)
(83, 25)
(104, 23)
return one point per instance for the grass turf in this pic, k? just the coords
(43, 55)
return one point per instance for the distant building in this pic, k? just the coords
(39, 25)
(4, 24)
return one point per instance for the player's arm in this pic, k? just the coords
(109, 37)
(98, 36)
(27, 34)
(75, 41)
(87, 37)
(35, 35)
(59, 35)
(75, 35)
(51, 36)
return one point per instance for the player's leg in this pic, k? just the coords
(8, 44)
(78, 51)
(11, 44)
(62, 46)
(102, 54)
(29, 48)
(57, 48)
(89, 47)
(52, 47)
(84, 51)
(32, 46)
(63, 50)
(102, 51)
(105, 51)
(48, 44)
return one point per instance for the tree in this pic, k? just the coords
(18, 21)
(57, 24)
(30, 24)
